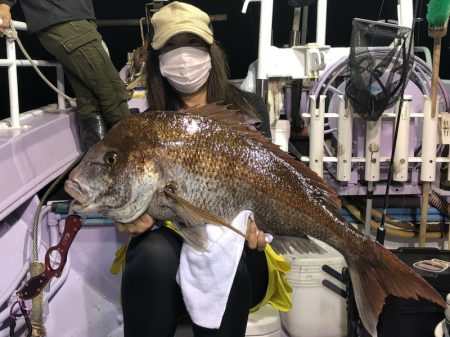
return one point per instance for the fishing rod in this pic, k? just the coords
(381, 230)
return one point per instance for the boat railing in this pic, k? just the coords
(12, 63)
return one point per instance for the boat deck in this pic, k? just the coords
(34, 154)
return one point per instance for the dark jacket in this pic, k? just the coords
(261, 109)
(41, 14)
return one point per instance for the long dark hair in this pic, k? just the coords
(161, 95)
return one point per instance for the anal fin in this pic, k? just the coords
(295, 245)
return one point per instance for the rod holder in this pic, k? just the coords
(400, 167)
(372, 150)
(316, 142)
(429, 143)
(345, 139)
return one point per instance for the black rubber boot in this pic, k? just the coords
(92, 129)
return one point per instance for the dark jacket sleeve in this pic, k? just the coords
(10, 3)
(261, 109)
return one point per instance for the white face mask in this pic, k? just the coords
(186, 68)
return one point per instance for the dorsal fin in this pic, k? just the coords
(240, 121)
(223, 113)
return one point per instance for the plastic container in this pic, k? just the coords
(439, 330)
(281, 133)
(316, 310)
(446, 321)
(265, 322)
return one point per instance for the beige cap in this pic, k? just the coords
(179, 17)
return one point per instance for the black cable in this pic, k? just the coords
(26, 316)
(12, 325)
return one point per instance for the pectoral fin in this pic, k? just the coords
(193, 216)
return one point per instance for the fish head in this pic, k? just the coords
(117, 177)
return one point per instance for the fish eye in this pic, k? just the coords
(111, 158)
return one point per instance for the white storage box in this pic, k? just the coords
(316, 310)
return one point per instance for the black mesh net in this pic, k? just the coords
(377, 79)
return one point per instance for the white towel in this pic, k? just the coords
(206, 277)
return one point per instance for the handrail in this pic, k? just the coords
(12, 63)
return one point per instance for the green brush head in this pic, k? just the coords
(438, 12)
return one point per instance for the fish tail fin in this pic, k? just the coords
(378, 275)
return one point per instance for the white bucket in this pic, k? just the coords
(439, 330)
(316, 310)
(265, 322)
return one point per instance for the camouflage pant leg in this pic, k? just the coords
(95, 81)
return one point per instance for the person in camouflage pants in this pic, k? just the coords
(67, 30)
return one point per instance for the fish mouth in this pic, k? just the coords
(75, 191)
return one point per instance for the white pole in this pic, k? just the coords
(60, 86)
(12, 82)
(265, 38)
(316, 137)
(369, 206)
(20, 25)
(321, 26)
(405, 13)
(401, 151)
(26, 63)
(428, 169)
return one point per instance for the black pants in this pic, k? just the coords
(151, 298)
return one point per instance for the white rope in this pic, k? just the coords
(12, 34)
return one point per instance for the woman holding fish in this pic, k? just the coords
(204, 166)
(187, 68)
